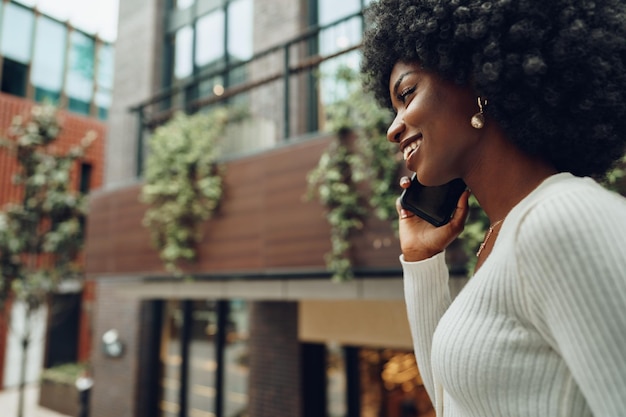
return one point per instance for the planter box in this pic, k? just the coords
(59, 397)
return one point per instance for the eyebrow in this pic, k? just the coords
(399, 81)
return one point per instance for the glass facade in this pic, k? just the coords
(171, 358)
(17, 33)
(210, 38)
(104, 79)
(336, 38)
(240, 30)
(206, 42)
(44, 59)
(383, 382)
(79, 83)
(236, 360)
(183, 65)
(49, 60)
(204, 358)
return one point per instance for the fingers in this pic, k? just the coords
(462, 210)
(405, 182)
(402, 213)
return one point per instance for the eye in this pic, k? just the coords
(406, 92)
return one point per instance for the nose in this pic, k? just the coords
(395, 130)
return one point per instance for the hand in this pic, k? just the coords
(421, 240)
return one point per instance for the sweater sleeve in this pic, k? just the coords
(572, 260)
(427, 297)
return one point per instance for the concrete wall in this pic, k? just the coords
(137, 56)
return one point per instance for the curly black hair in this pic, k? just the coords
(554, 71)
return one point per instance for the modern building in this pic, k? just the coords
(260, 330)
(44, 59)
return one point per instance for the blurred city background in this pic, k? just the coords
(211, 250)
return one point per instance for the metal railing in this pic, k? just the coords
(280, 87)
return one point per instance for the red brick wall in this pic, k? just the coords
(274, 360)
(4, 332)
(86, 320)
(74, 128)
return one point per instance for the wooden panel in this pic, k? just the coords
(263, 223)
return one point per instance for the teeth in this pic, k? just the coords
(412, 147)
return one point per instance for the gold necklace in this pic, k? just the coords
(487, 236)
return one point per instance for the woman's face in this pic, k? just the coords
(432, 124)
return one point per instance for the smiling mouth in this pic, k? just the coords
(411, 147)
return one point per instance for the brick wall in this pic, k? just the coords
(274, 360)
(73, 128)
(115, 379)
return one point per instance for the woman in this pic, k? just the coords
(525, 100)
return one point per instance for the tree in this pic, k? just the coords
(41, 236)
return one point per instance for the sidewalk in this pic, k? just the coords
(9, 398)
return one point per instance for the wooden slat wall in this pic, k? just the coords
(264, 224)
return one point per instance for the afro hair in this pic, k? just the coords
(554, 71)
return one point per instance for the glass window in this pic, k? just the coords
(17, 33)
(336, 38)
(183, 64)
(48, 60)
(104, 79)
(240, 25)
(171, 359)
(236, 360)
(391, 384)
(331, 10)
(80, 75)
(336, 384)
(183, 4)
(29, 3)
(202, 364)
(14, 77)
(210, 38)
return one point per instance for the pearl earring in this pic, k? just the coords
(478, 120)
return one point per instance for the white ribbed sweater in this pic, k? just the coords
(540, 329)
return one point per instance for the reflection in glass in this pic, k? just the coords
(336, 38)
(236, 360)
(80, 75)
(17, 33)
(210, 38)
(104, 79)
(171, 359)
(48, 60)
(240, 25)
(183, 4)
(336, 380)
(202, 364)
(14, 77)
(391, 385)
(183, 66)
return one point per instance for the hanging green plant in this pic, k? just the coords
(359, 154)
(333, 182)
(183, 183)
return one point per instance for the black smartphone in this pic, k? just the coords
(433, 204)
